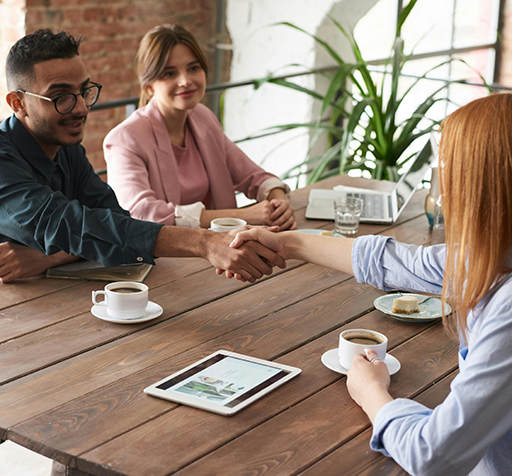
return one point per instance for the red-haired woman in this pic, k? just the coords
(170, 162)
(471, 431)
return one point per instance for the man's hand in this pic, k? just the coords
(247, 261)
(18, 262)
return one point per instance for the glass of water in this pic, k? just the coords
(347, 211)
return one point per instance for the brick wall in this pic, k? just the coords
(112, 31)
(12, 27)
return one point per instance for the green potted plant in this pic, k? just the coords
(359, 113)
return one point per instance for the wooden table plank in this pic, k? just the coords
(57, 342)
(73, 297)
(314, 377)
(355, 457)
(79, 375)
(322, 312)
(315, 426)
(28, 289)
(170, 440)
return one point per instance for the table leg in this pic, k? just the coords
(59, 469)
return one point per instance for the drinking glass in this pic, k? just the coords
(347, 211)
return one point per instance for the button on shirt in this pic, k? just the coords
(471, 431)
(61, 204)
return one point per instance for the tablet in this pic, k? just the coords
(224, 382)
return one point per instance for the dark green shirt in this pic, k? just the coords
(61, 204)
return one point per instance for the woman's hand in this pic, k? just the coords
(368, 383)
(257, 214)
(272, 213)
(283, 215)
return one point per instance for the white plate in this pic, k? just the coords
(312, 231)
(153, 310)
(429, 311)
(331, 360)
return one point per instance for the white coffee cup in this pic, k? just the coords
(123, 299)
(356, 341)
(226, 224)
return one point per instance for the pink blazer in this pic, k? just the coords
(142, 168)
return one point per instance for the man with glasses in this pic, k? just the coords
(66, 102)
(53, 207)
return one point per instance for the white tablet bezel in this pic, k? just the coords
(154, 391)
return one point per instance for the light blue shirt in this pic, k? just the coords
(471, 431)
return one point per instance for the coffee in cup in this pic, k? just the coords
(357, 341)
(226, 224)
(126, 290)
(123, 300)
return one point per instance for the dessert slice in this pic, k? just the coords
(406, 305)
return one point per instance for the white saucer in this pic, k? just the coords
(331, 361)
(153, 310)
(430, 310)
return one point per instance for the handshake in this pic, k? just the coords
(252, 252)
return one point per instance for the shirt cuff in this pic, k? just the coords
(403, 410)
(270, 184)
(189, 215)
(139, 243)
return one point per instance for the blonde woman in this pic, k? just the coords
(170, 161)
(471, 431)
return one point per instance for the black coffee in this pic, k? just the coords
(126, 290)
(364, 340)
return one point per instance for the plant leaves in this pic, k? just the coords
(403, 16)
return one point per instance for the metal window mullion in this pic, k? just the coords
(498, 47)
(452, 48)
(449, 52)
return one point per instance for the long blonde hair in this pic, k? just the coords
(153, 54)
(476, 183)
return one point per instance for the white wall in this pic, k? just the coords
(259, 49)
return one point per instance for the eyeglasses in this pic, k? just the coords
(65, 103)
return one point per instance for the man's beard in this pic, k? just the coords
(46, 132)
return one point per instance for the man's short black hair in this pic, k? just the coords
(40, 46)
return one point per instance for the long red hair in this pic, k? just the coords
(476, 183)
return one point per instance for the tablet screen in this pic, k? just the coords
(224, 380)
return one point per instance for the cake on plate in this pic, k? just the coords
(406, 305)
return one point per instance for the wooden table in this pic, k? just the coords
(71, 385)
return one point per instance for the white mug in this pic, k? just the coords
(356, 341)
(226, 224)
(123, 299)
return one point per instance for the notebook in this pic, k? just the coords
(93, 271)
(379, 207)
